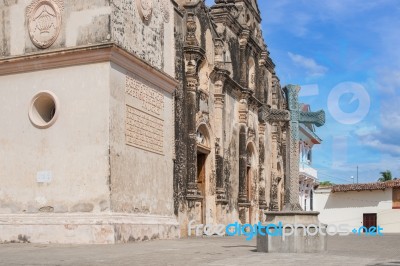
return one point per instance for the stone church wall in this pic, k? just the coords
(101, 171)
(141, 165)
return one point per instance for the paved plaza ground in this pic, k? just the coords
(349, 250)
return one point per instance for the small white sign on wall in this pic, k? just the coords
(44, 177)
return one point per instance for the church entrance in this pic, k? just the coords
(201, 181)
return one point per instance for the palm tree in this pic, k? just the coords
(385, 176)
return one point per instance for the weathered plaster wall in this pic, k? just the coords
(95, 22)
(74, 149)
(231, 146)
(151, 40)
(141, 181)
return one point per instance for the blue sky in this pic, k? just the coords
(346, 56)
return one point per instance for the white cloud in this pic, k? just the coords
(388, 80)
(311, 67)
(366, 131)
(384, 136)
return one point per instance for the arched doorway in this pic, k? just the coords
(203, 151)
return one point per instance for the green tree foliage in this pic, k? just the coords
(326, 183)
(385, 176)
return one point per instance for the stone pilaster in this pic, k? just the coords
(261, 200)
(273, 205)
(243, 115)
(264, 80)
(243, 40)
(191, 87)
(193, 57)
(219, 101)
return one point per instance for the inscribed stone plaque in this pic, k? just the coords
(151, 100)
(144, 130)
(144, 127)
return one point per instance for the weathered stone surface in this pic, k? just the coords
(301, 241)
(90, 22)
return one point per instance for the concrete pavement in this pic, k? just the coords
(349, 250)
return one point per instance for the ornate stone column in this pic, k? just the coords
(261, 200)
(273, 205)
(274, 116)
(243, 40)
(219, 76)
(193, 57)
(264, 78)
(243, 114)
(191, 87)
(219, 100)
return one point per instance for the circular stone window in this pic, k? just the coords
(43, 109)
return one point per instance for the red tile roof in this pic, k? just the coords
(366, 186)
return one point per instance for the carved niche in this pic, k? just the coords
(145, 8)
(44, 21)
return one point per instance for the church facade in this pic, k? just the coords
(126, 120)
(229, 160)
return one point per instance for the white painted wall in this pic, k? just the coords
(349, 207)
(74, 148)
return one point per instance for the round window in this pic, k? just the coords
(44, 109)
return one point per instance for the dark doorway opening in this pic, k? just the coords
(201, 180)
(369, 220)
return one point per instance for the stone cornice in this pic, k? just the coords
(220, 13)
(84, 55)
(254, 12)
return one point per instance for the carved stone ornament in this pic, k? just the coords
(165, 10)
(44, 21)
(145, 8)
(191, 30)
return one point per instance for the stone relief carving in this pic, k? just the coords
(274, 115)
(44, 21)
(165, 10)
(203, 118)
(145, 8)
